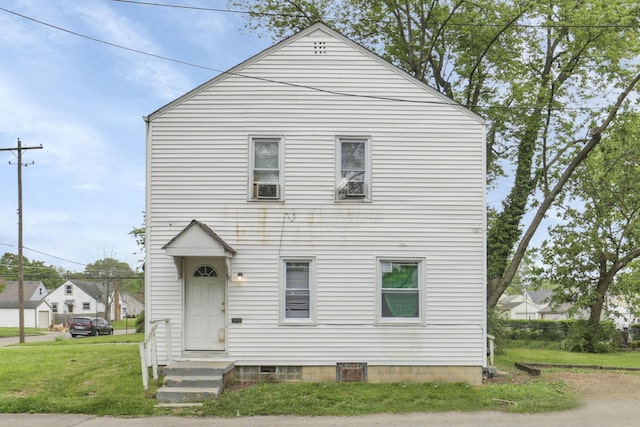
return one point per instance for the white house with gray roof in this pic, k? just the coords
(316, 208)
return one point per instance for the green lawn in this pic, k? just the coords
(101, 375)
(549, 352)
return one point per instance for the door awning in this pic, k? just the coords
(198, 240)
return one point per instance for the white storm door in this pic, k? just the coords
(205, 320)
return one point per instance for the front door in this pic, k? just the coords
(205, 319)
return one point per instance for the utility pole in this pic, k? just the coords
(19, 149)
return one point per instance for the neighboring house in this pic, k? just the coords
(519, 306)
(76, 297)
(132, 305)
(314, 207)
(36, 312)
(536, 304)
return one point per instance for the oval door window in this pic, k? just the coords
(205, 271)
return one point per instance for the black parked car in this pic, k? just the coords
(88, 326)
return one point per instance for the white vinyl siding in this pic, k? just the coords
(427, 202)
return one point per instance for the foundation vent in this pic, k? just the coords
(351, 372)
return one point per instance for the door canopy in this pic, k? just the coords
(197, 240)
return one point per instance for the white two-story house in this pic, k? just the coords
(316, 207)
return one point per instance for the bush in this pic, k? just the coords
(591, 339)
(544, 330)
(140, 322)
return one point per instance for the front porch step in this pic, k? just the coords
(193, 381)
(198, 368)
(187, 394)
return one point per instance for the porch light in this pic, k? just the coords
(239, 277)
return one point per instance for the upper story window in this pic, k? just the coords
(400, 291)
(266, 170)
(298, 284)
(353, 169)
(68, 290)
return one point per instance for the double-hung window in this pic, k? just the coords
(266, 172)
(353, 168)
(400, 290)
(298, 291)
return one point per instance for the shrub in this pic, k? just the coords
(587, 338)
(140, 322)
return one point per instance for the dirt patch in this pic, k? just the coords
(600, 385)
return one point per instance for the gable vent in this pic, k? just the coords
(319, 48)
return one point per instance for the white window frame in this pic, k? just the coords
(340, 192)
(312, 291)
(68, 289)
(87, 305)
(54, 307)
(252, 185)
(420, 319)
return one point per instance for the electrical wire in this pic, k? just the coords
(317, 89)
(299, 15)
(211, 9)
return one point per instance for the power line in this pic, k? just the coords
(317, 89)
(46, 254)
(211, 9)
(451, 23)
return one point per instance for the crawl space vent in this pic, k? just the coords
(351, 372)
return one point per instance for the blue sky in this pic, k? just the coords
(84, 102)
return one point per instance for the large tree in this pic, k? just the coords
(548, 76)
(600, 233)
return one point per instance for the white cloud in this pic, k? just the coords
(163, 78)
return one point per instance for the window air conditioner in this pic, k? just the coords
(356, 189)
(267, 190)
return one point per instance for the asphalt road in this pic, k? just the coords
(594, 413)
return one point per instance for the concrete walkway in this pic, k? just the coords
(594, 413)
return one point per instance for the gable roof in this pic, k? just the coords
(96, 290)
(541, 296)
(28, 304)
(237, 71)
(182, 242)
(10, 291)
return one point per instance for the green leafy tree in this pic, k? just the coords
(532, 70)
(600, 233)
(139, 233)
(32, 270)
(628, 283)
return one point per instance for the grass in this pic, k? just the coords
(101, 375)
(344, 399)
(15, 332)
(88, 376)
(129, 324)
